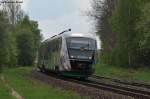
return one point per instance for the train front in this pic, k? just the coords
(82, 55)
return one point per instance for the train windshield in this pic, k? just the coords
(81, 43)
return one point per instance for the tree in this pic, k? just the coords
(102, 12)
(13, 10)
(8, 53)
(4, 52)
(19, 36)
(28, 40)
(13, 51)
(26, 48)
(123, 21)
(143, 29)
(123, 26)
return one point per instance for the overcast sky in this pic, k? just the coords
(55, 16)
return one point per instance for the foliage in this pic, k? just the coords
(102, 11)
(3, 40)
(123, 26)
(13, 51)
(28, 40)
(123, 22)
(143, 29)
(133, 74)
(7, 45)
(19, 37)
(26, 50)
(13, 11)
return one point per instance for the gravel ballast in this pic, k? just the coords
(83, 90)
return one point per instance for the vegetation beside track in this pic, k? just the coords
(139, 74)
(4, 91)
(18, 79)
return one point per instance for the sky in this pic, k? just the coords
(55, 16)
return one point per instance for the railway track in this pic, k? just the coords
(125, 82)
(96, 82)
(140, 94)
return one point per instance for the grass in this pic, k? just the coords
(139, 74)
(4, 91)
(31, 89)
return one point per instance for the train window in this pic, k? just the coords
(81, 43)
(45, 51)
(55, 45)
(59, 44)
(49, 48)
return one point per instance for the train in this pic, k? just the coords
(69, 54)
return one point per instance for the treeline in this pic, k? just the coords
(19, 37)
(124, 29)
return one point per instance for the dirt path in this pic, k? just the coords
(14, 93)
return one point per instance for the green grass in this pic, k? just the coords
(31, 89)
(139, 74)
(4, 91)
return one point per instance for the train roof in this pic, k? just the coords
(66, 35)
(88, 35)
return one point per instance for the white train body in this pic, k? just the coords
(71, 54)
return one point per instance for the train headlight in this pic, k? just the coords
(72, 56)
(90, 57)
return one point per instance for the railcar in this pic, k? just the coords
(69, 54)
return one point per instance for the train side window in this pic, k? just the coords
(49, 49)
(53, 46)
(45, 51)
(57, 44)
(60, 43)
